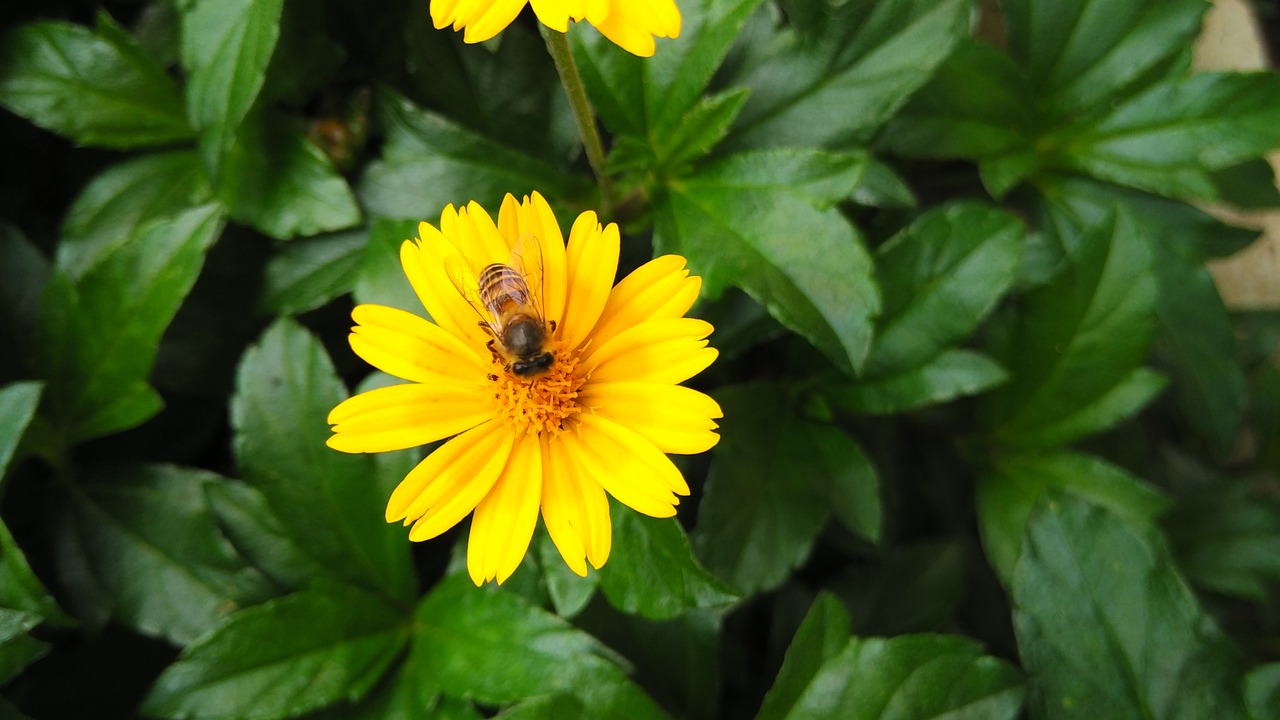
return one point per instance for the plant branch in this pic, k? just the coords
(558, 46)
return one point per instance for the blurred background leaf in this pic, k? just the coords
(948, 254)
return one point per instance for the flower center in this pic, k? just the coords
(538, 404)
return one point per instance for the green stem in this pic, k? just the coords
(558, 46)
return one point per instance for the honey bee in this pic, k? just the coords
(521, 338)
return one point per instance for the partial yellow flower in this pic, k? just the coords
(594, 411)
(631, 24)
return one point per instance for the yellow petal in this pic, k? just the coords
(452, 485)
(627, 35)
(637, 337)
(443, 13)
(598, 10)
(659, 289)
(574, 509)
(664, 16)
(592, 261)
(468, 462)
(535, 217)
(675, 419)
(555, 15)
(405, 416)
(407, 346)
(503, 523)
(493, 21)
(671, 362)
(631, 24)
(509, 220)
(424, 265)
(478, 238)
(626, 465)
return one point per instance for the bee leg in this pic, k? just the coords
(552, 323)
(494, 351)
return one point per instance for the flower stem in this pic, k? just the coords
(558, 46)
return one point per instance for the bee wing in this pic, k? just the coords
(464, 280)
(526, 259)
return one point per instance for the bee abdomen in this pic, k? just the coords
(500, 284)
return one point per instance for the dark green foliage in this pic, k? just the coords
(993, 445)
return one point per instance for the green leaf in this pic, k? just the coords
(974, 107)
(428, 162)
(1079, 340)
(273, 178)
(157, 30)
(741, 323)
(838, 91)
(705, 125)
(569, 593)
(243, 516)
(226, 47)
(96, 88)
(649, 98)
(309, 273)
(1262, 692)
(851, 484)
(305, 60)
(1132, 642)
(679, 661)
(951, 375)
(329, 502)
(511, 92)
(642, 545)
(17, 649)
(1070, 205)
(18, 403)
(1171, 139)
(99, 334)
(284, 658)
(910, 677)
(914, 587)
(1128, 396)
(1250, 185)
(550, 707)
(20, 589)
(737, 221)
(881, 186)
(119, 200)
(939, 278)
(217, 321)
(1226, 536)
(158, 563)
(770, 488)
(1194, 339)
(381, 279)
(1080, 54)
(820, 638)
(400, 696)
(488, 644)
(24, 272)
(1009, 492)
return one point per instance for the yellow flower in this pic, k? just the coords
(631, 24)
(554, 435)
